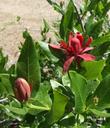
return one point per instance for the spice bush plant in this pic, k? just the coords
(63, 83)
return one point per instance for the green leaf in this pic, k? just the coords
(7, 111)
(41, 102)
(101, 40)
(67, 21)
(28, 63)
(100, 50)
(44, 46)
(93, 4)
(92, 85)
(5, 85)
(80, 90)
(93, 27)
(45, 30)
(58, 107)
(50, 2)
(80, 126)
(56, 6)
(106, 70)
(92, 70)
(55, 84)
(3, 62)
(68, 120)
(43, 97)
(100, 113)
(107, 8)
(102, 93)
(66, 80)
(46, 26)
(16, 110)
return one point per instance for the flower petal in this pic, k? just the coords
(87, 49)
(75, 43)
(89, 41)
(63, 45)
(80, 37)
(67, 64)
(54, 46)
(70, 38)
(57, 51)
(87, 57)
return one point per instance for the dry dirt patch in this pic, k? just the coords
(31, 12)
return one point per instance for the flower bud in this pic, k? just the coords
(22, 89)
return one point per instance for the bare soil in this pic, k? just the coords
(31, 13)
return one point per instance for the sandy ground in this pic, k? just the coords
(31, 12)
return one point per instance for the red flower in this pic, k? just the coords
(74, 50)
(22, 89)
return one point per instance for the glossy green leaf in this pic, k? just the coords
(66, 80)
(41, 102)
(102, 93)
(106, 70)
(46, 26)
(68, 120)
(93, 27)
(8, 112)
(101, 40)
(67, 21)
(56, 6)
(28, 63)
(92, 70)
(58, 107)
(55, 84)
(100, 113)
(100, 50)
(92, 85)
(44, 46)
(44, 30)
(3, 62)
(93, 4)
(80, 126)
(50, 1)
(16, 110)
(5, 85)
(80, 89)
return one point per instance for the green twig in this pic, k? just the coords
(79, 18)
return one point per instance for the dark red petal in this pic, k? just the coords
(80, 37)
(87, 57)
(22, 89)
(75, 43)
(87, 49)
(21, 92)
(89, 41)
(17, 95)
(67, 64)
(26, 87)
(70, 38)
(57, 51)
(63, 45)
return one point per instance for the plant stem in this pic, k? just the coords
(79, 18)
(77, 119)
